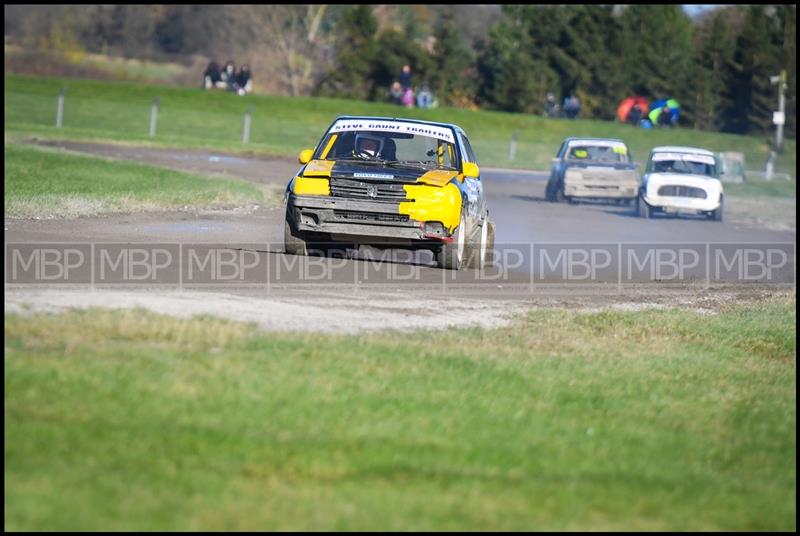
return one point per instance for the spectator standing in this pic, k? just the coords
(550, 106)
(405, 77)
(572, 106)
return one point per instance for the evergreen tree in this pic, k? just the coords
(657, 44)
(713, 51)
(354, 57)
(545, 29)
(788, 14)
(591, 41)
(506, 70)
(757, 57)
(452, 61)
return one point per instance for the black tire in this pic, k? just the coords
(451, 256)
(716, 215)
(554, 192)
(559, 195)
(642, 208)
(549, 193)
(488, 257)
(294, 242)
(476, 252)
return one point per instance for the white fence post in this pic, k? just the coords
(60, 108)
(512, 147)
(153, 117)
(246, 133)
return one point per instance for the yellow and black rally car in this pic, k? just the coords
(388, 182)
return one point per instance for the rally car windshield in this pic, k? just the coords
(392, 144)
(684, 164)
(606, 153)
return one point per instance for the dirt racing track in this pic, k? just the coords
(588, 255)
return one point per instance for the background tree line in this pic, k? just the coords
(718, 65)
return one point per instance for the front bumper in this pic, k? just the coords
(604, 189)
(682, 204)
(356, 218)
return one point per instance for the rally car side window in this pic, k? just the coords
(470, 152)
(560, 153)
(466, 151)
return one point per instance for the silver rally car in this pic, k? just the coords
(593, 168)
(681, 180)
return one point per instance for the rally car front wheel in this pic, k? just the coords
(451, 256)
(479, 255)
(716, 215)
(294, 242)
(642, 208)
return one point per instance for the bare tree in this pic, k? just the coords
(294, 32)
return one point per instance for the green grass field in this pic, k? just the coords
(783, 189)
(654, 420)
(48, 183)
(282, 126)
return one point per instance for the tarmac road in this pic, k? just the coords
(589, 251)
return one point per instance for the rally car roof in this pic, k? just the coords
(587, 138)
(373, 117)
(677, 149)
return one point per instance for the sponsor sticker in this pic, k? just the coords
(403, 127)
(373, 176)
(699, 158)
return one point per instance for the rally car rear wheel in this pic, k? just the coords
(487, 255)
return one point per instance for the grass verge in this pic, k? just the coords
(282, 126)
(655, 420)
(48, 183)
(785, 189)
(763, 204)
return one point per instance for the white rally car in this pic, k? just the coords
(681, 180)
